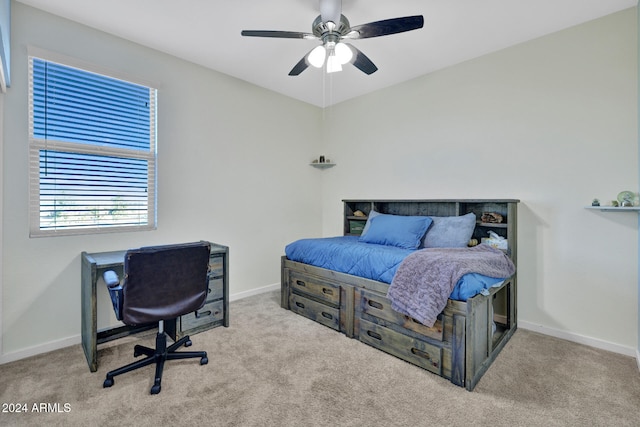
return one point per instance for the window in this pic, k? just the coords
(92, 152)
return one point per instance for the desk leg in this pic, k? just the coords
(89, 313)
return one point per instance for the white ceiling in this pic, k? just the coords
(207, 32)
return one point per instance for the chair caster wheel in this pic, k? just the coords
(188, 343)
(107, 383)
(155, 389)
(204, 361)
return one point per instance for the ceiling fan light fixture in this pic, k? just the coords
(343, 53)
(333, 64)
(317, 55)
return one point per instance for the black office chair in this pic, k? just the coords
(160, 283)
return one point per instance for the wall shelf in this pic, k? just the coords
(614, 208)
(322, 165)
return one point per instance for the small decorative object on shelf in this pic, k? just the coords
(595, 202)
(626, 198)
(322, 163)
(491, 217)
(614, 203)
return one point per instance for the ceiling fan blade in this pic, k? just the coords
(302, 65)
(330, 10)
(362, 61)
(386, 27)
(278, 34)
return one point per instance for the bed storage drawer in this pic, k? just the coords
(423, 354)
(313, 310)
(315, 287)
(376, 305)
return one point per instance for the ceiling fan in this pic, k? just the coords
(331, 27)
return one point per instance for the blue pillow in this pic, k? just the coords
(372, 215)
(396, 230)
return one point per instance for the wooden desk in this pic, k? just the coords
(95, 264)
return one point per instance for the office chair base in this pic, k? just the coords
(157, 355)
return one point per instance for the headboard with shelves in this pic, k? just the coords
(506, 208)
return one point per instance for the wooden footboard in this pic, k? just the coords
(461, 345)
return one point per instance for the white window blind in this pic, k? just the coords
(92, 151)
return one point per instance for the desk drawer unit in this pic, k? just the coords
(216, 289)
(216, 266)
(202, 319)
(215, 311)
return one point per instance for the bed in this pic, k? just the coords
(353, 293)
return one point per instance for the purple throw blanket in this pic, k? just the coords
(426, 278)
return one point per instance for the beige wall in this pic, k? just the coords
(232, 168)
(552, 122)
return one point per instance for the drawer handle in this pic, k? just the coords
(374, 335)
(300, 283)
(375, 304)
(299, 304)
(327, 291)
(421, 353)
(327, 315)
(202, 314)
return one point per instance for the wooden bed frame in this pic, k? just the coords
(467, 336)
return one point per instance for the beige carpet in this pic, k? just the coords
(274, 368)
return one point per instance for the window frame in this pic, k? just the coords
(38, 144)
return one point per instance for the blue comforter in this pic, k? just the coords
(376, 262)
(347, 255)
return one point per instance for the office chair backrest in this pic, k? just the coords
(163, 282)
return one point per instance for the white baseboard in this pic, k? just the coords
(581, 339)
(252, 292)
(40, 349)
(76, 339)
(638, 358)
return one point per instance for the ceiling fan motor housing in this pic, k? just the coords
(330, 31)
